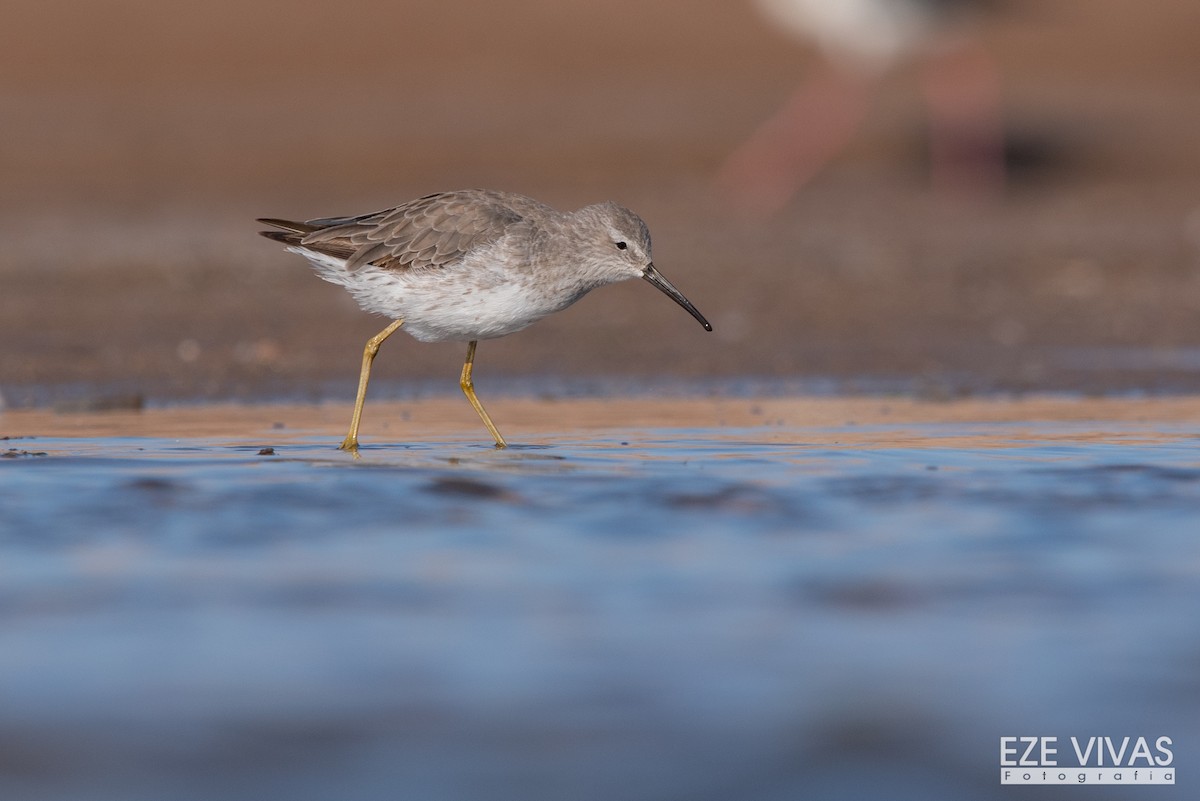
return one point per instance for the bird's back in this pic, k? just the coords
(427, 233)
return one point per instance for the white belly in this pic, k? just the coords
(447, 305)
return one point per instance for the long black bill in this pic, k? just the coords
(656, 278)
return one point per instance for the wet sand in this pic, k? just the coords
(432, 419)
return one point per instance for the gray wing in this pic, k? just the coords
(430, 232)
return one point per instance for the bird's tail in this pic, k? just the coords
(292, 231)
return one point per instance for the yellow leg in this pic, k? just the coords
(468, 388)
(350, 443)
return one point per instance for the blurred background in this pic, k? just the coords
(141, 139)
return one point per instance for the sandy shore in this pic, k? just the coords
(856, 419)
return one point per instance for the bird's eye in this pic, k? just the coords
(621, 246)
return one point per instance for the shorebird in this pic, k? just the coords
(859, 42)
(469, 265)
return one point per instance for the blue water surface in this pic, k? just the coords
(687, 614)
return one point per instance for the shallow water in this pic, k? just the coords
(690, 613)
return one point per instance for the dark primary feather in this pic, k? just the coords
(294, 237)
(287, 225)
(428, 232)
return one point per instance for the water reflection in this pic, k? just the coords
(765, 613)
